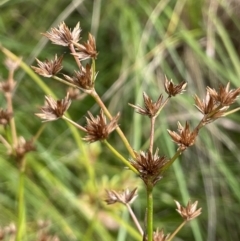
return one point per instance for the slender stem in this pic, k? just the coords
(39, 132)
(72, 49)
(64, 81)
(152, 134)
(150, 212)
(74, 123)
(176, 155)
(134, 219)
(5, 143)
(119, 131)
(117, 154)
(12, 122)
(21, 203)
(177, 230)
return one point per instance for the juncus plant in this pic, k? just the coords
(147, 164)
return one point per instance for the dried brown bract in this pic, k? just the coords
(159, 236)
(49, 68)
(224, 96)
(172, 89)
(211, 109)
(24, 147)
(98, 129)
(7, 86)
(54, 109)
(151, 108)
(190, 212)
(82, 78)
(87, 50)
(63, 35)
(149, 166)
(5, 117)
(185, 138)
(125, 196)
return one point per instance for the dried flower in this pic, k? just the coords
(5, 117)
(7, 86)
(63, 35)
(53, 109)
(12, 65)
(24, 147)
(172, 89)
(190, 212)
(82, 78)
(185, 138)
(211, 109)
(224, 96)
(151, 108)
(87, 50)
(49, 68)
(125, 196)
(159, 236)
(149, 166)
(98, 129)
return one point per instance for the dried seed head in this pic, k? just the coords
(125, 196)
(211, 109)
(7, 86)
(185, 138)
(87, 50)
(53, 110)
(12, 65)
(159, 236)
(151, 108)
(63, 35)
(224, 96)
(5, 117)
(190, 212)
(82, 78)
(172, 89)
(49, 68)
(98, 129)
(149, 166)
(24, 147)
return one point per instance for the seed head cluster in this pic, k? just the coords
(97, 128)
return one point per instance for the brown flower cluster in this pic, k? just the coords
(151, 108)
(125, 196)
(49, 68)
(53, 109)
(172, 89)
(150, 166)
(5, 117)
(184, 138)
(87, 50)
(83, 78)
(24, 147)
(159, 236)
(63, 35)
(98, 129)
(216, 103)
(190, 212)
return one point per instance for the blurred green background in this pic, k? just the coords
(139, 42)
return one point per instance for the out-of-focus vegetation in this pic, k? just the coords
(138, 42)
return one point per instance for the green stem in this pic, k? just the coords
(74, 123)
(177, 230)
(21, 203)
(64, 81)
(176, 155)
(150, 212)
(117, 154)
(95, 95)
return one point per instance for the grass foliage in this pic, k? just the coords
(138, 42)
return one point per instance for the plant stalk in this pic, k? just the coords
(149, 212)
